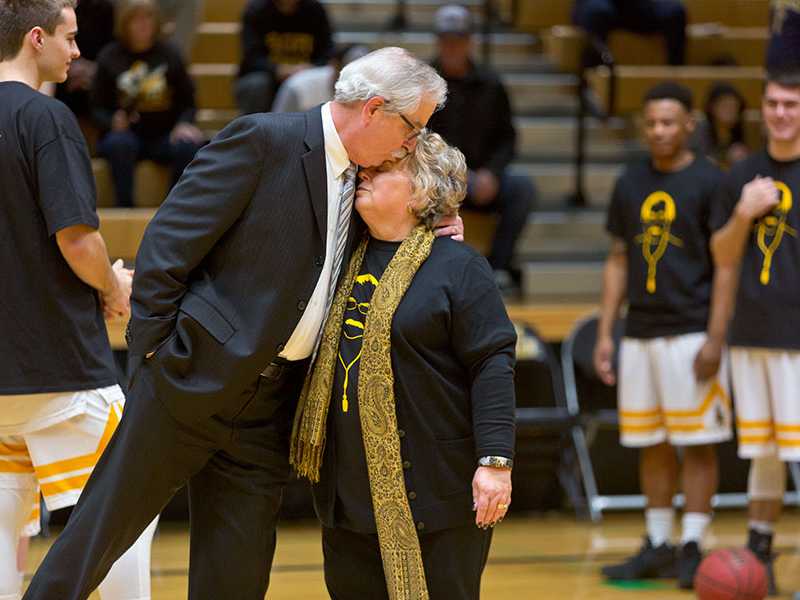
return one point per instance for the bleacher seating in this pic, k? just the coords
(632, 81)
(745, 46)
(538, 16)
(561, 251)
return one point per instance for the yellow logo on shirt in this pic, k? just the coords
(770, 230)
(657, 214)
(355, 315)
(144, 89)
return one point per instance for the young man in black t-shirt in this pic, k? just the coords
(671, 376)
(757, 231)
(59, 398)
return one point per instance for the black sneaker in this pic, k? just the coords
(760, 544)
(648, 563)
(689, 558)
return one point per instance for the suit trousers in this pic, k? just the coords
(453, 560)
(235, 465)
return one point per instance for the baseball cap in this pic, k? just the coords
(453, 19)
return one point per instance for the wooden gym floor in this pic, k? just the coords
(552, 557)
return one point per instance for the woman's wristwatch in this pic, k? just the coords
(496, 462)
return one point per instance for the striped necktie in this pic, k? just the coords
(342, 226)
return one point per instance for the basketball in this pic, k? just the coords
(731, 575)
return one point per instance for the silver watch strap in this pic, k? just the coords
(498, 462)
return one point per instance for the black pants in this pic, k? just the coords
(515, 199)
(123, 149)
(453, 559)
(668, 17)
(235, 464)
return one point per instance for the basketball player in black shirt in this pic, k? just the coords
(756, 219)
(672, 390)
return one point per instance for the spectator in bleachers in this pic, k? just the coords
(143, 100)
(95, 31)
(721, 135)
(279, 38)
(666, 17)
(784, 43)
(477, 120)
(182, 17)
(304, 90)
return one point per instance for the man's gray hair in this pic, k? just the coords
(395, 75)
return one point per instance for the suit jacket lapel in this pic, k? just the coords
(314, 165)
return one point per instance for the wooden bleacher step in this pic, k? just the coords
(632, 82)
(536, 15)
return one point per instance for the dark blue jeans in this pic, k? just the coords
(515, 199)
(668, 17)
(123, 149)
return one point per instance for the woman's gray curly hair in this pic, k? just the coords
(438, 178)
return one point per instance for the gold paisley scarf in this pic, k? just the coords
(400, 550)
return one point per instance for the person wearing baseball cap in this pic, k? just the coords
(477, 120)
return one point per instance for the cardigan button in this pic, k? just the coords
(401, 434)
(420, 526)
(412, 495)
(280, 347)
(319, 261)
(301, 306)
(406, 464)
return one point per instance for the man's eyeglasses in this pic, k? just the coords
(415, 131)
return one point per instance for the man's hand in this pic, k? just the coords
(603, 359)
(484, 187)
(491, 493)
(452, 226)
(759, 197)
(117, 299)
(186, 132)
(707, 360)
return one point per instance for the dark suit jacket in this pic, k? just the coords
(453, 351)
(230, 260)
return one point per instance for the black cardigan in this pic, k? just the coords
(453, 362)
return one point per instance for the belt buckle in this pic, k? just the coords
(273, 371)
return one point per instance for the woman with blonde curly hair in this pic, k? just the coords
(406, 422)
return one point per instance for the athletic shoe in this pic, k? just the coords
(689, 558)
(760, 544)
(648, 563)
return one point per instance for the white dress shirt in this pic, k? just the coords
(304, 337)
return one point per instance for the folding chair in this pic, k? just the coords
(596, 404)
(542, 410)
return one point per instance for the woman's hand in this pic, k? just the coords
(491, 493)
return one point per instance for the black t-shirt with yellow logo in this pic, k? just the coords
(663, 219)
(768, 300)
(154, 84)
(271, 37)
(354, 500)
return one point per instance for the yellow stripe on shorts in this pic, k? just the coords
(78, 463)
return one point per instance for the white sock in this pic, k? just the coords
(659, 523)
(129, 577)
(694, 527)
(763, 527)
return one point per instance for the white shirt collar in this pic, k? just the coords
(334, 149)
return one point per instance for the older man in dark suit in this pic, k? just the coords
(233, 280)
